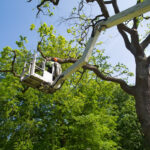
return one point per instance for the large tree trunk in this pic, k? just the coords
(142, 96)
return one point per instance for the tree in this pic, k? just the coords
(141, 90)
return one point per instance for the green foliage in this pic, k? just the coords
(91, 115)
(140, 1)
(33, 120)
(131, 136)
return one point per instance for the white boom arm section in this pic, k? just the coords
(127, 14)
(121, 17)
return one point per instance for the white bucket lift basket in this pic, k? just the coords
(32, 78)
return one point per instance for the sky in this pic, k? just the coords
(16, 16)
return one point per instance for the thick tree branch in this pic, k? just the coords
(146, 42)
(123, 84)
(127, 29)
(136, 43)
(61, 61)
(134, 46)
(102, 6)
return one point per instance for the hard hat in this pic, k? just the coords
(55, 59)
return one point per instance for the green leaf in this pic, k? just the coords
(32, 27)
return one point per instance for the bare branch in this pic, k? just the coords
(108, 2)
(81, 5)
(103, 8)
(55, 2)
(39, 5)
(62, 61)
(115, 6)
(82, 73)
(39, 49)
(146, 17)
(146, 42)
(95, 19)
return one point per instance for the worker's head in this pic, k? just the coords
(55, 59)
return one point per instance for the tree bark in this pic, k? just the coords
(142, 95)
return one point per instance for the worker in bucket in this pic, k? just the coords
(54, 67)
